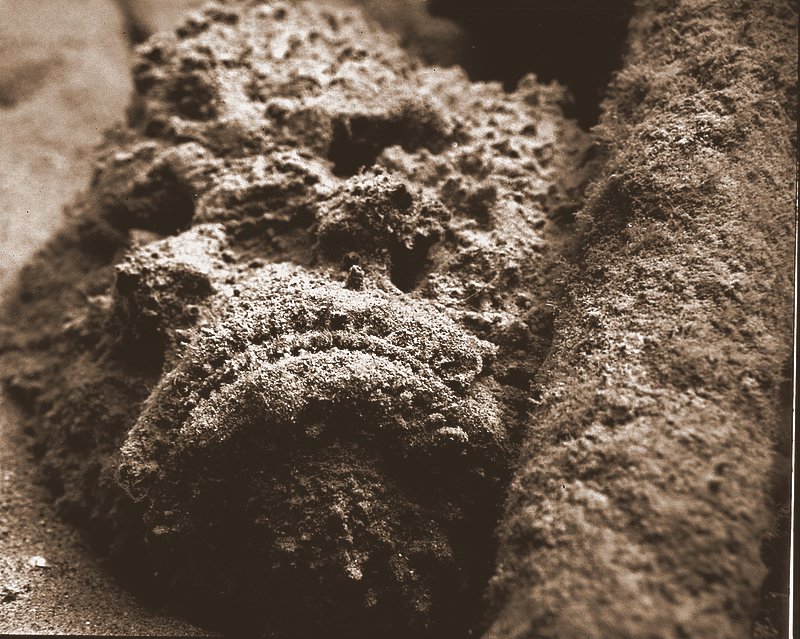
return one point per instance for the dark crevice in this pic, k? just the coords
(408, 265)
(359, 140)
(576, 42)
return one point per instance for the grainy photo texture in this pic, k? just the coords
(411, 320)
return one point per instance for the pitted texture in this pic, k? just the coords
(284, 353)
(374, 399)
(299, 311)
(300, 98)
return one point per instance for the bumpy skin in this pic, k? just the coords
(283, 353)
(295, 321)
(643, 493)
(346, 429)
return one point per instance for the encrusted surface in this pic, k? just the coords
(644, 489)
(300, 308)
(280, 362)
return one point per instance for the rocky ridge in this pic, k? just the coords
(299, 309)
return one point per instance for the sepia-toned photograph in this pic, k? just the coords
(398, 319)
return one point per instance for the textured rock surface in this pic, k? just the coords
(435, 40)
(280, 362)
(60, 88)
(295, 321)
(643, 493)
(339, 439)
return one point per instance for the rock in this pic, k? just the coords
(275, 370)
(37, 561)
(321, 399)
(685, 295)
(278, 363)
(437, 41)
